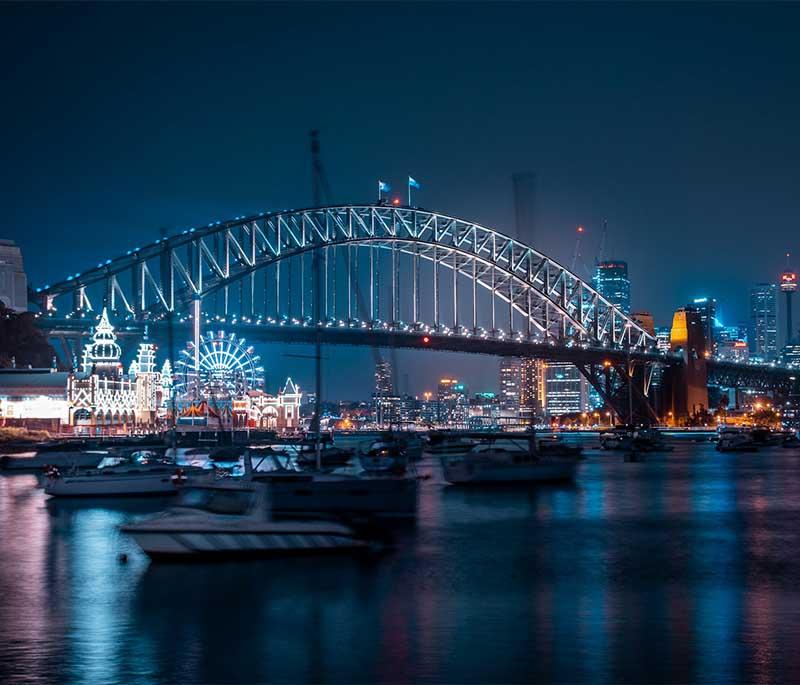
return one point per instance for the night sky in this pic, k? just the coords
(679, 123)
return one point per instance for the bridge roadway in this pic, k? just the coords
(363, 335)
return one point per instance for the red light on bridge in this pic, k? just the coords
(426, 340)
(396, 201)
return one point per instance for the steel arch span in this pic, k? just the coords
(458, 277)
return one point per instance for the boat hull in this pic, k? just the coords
(112, 486)
(391, 497)
(61, 460)
(226, 544)
(464, 472)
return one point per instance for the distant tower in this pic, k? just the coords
(788, 285)
(524, 195)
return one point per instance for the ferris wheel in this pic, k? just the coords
(227, 367)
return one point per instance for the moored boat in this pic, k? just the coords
(144, 472)
(233, 522)
(504, 459)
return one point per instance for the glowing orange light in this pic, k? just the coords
(396, 201)
(426, 340)
(580, 229)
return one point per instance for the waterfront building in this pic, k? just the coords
(611, 281)
(566, 390)
(453, 407)
(428, 409)
(764, 321)
(13, 280)
(510, 384)
(35, 398)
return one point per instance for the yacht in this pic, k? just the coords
(503, 459)
(143, 472)
(294, 490)
(232, 521)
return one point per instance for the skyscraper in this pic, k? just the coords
(789, 286)
(611, 281)
(509, 384)
(764, 321)
(531, 388)
(383, 378)
(566, 390)
(13, 281)
(706, 307)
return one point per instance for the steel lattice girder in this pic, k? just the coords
(167, 274)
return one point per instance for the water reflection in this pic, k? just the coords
(678, 568)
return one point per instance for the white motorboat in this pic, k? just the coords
(144, 472)
(233, 522)
(292, 490)
(511, 460)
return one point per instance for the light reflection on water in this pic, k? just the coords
(681, 568)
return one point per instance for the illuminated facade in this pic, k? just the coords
(453, 407)
(706, 307)
(510, 385)
(532, 379)
(566, 391)
(764, 321)
(611, 281)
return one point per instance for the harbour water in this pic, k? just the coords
(681, 568)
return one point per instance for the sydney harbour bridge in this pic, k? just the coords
(386, 276)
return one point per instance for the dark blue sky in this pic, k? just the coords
(677, 122)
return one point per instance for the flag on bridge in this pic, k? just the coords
(412, 183)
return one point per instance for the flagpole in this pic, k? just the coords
(409, 192)
(379, 191)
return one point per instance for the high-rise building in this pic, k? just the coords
(531, 392)
(13, 281)
(788, 287)
(383, 378)
(706, 307)
(611, 281)
(764, 321)
(566, 390)
(510, 384)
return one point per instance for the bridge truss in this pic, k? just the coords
(382, 267)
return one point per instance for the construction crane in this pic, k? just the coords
(577, 251)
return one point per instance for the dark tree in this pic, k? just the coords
(21, 341)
